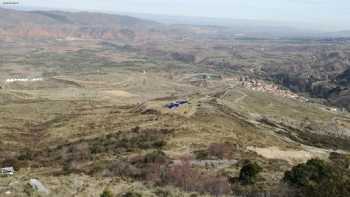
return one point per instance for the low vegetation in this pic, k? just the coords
(319, 178)
(249, 172)
(106, 193)
(128, 141)
(216, 151)
(188, 178)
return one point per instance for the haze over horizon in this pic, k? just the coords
(320, 14)
(174, 98)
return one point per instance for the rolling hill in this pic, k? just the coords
(58, 24)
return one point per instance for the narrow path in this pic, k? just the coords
(237, 100)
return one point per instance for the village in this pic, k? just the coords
(261, 86)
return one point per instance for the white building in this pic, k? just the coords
(7, 171)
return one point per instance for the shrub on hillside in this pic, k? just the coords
(201, 154)
(106, 193)
(216, 151)
(130, 194)
(129, 141)
(151, 165)
(319, 179)
(342, 160)
(156, 156)
(184, 176)
(123, 169)
(220, 150)
(25, 155)
(308, 174)
(249, 172)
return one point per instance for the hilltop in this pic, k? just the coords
(59, 24)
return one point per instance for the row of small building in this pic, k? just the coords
(23, 80)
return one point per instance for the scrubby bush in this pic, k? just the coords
(184, 176)
(220, 150)
(124, 169)
(156, 156)
(151, 165)
(106, 193)
(25, 155)
(318, 178)
(129, 141)
(130, 194)
(342, 160)
(216, 151)
(162, 192)
(249, 172)
(201, 154)
(305, 175)
(157, 168)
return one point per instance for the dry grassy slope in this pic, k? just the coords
(90, 105)
(42, 124)
(80, 186)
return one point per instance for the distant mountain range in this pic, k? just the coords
(59, 24)
(249, 27)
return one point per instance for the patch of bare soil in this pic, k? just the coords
(291, 156)
(119, 93)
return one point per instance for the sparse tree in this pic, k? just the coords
(249, 173)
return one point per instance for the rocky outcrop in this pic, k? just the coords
(344, 78)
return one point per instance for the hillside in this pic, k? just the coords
(93, 103)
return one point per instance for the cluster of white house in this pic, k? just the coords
(261, 86)
(23, 80)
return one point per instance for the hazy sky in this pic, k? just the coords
(331, 13)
